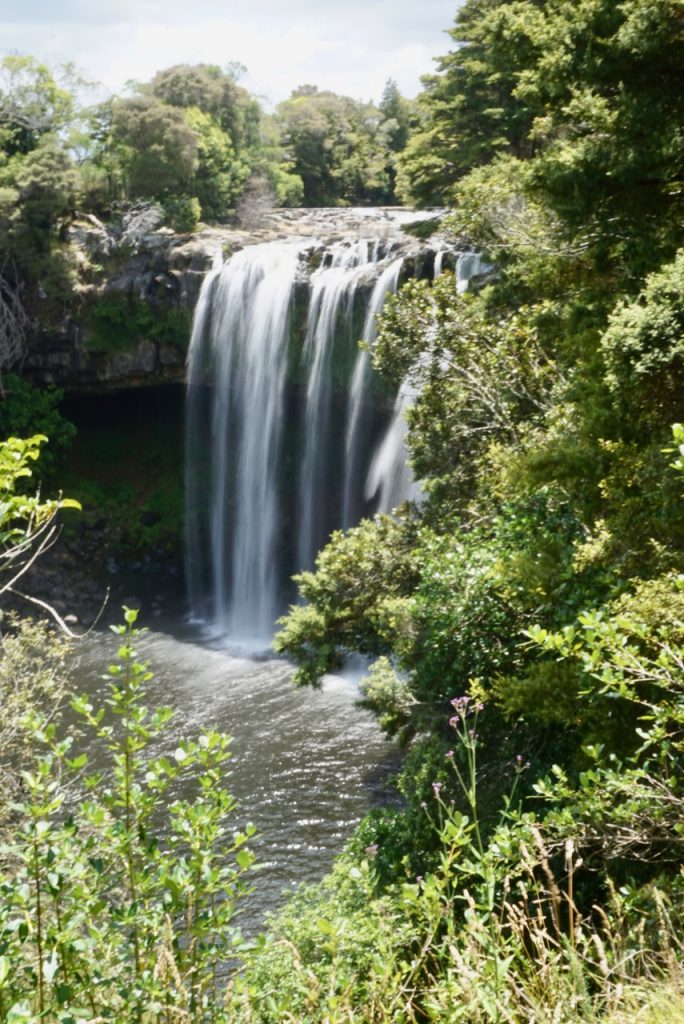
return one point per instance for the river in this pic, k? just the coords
(306, 766)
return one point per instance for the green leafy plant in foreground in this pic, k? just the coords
(116, 899)
(501, 929)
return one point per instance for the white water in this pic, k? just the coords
(243, 345)
(390, 480)
(288, 437)
(386, 284)
(333, 286)
(268, 477)
(468, 266)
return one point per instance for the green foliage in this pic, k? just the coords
(609, 154)
(470, 110)
(586, 96)
(220, 175)
(543, 573)
(22, 515)
(33, 679)
(33, 102)
(480, 372)
(124, 469)
(332, 949)
(214, 92)
(354, 597)
(643, 348)
(389, 696)
(157, 148)
(182, 213)
(340, 148)
(498, 929)
(101, 915)
(117, 323)
(26, 410)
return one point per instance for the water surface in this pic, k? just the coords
(306, 766)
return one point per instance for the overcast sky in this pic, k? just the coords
(350, 46)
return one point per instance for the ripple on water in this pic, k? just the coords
(306, 765)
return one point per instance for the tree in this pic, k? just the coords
(336, 147)
(220, 175)
(214, 92)
(32, 103)
(608, 80)
(157, 147)
(396, 113)
(470, 111)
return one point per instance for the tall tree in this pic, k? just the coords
(336, 146)
(470, 110)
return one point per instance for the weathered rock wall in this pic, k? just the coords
(128, 321)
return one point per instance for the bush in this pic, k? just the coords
(26, 410)
(182, 213)
(102, 914)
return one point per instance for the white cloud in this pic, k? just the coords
(350, 47)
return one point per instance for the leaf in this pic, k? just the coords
(245, 859)
(20, 1013)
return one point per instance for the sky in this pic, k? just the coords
(349, 46)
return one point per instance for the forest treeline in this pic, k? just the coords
(192, 140)
(525, 620)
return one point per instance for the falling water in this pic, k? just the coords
(390, 480)
(386, 284)
(333, 288)
(289, 435)
(239, 342)
(468, 266)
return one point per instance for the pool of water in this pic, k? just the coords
(306, 766)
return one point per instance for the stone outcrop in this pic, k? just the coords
(128, 322)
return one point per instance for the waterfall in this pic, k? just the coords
(386, 284)
(468, 266)
(281, 420)
(390, 480)
(239, 343)
(333, 289)
(289, 435)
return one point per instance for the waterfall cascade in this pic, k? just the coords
(290, 434)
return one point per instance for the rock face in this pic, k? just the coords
(128, 321)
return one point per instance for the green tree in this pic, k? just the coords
(157, 148)
(214, 92)
(220, 175)
(32, 103)
(470, 110)
(395, 108)
(336, 147)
